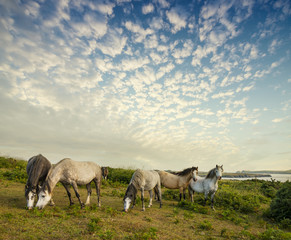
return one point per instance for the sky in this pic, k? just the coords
(159, 84)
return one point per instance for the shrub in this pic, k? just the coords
(205, 225)
(94, 225)
(280, 207)
(120, 175)
(248, 203)
(274, 234)
(12, 163)
(269, 188)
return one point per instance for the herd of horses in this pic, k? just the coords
(43, 177)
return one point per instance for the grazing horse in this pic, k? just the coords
(104, 172)
(37, 169)
(143, 180)
(179, 180)
(207, 185)
(74, 173)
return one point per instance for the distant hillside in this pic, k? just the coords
(267, 171)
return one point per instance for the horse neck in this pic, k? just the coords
(53, 177)
(214, 180)
(188, 177)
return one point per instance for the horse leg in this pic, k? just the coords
(160, 195)
(184, 194)
(205, 197)
(181, 190)
(97, 185)
(191, 192)
(156, 194)
(151, 198)
(89, 191)
(75, 187)
(142, 198)
(212, 201)
(68, 192)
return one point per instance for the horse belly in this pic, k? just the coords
(197, 186)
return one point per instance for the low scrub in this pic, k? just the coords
(280, 207)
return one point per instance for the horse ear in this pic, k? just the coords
(216, 166)
(222, 167)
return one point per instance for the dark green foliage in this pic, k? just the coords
(94, 225)
(280, 207)
(205, 225)
(195, 207)
(248, 203)
(11, 163)
(12, 169)
(275, 234)
(120, 175)
(269, 188)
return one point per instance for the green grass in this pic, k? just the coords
(174, 220)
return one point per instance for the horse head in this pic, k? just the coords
(219, 171)
(129, 196)
(30, 193)
(44, 196)
(195, 173)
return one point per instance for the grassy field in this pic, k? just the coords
(240, 206)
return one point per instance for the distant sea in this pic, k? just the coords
(277, 177)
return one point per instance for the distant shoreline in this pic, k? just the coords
(239, 175)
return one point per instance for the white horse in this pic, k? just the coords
(206, 185)
(142, 180)
(74, 173)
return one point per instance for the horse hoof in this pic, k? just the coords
(143, 209)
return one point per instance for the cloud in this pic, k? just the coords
(177, 19)
(139, 32)
(146, 9)
(112, 43)
(278, 120)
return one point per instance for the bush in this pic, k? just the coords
(120, 175)
(280, 207)
(269, 188)
(274, 234)
(248, 203)
(11, 163)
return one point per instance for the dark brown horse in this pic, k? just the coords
(104, 172)
(37, 169)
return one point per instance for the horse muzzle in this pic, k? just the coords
(219, 178)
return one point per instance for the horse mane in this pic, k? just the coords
(131, 188)
(211, 173)
(37, 169)
(184, 172)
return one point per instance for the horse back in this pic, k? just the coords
(80, 172)
(146, 179)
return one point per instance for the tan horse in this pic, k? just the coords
(178, 180)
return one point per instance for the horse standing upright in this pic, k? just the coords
(74, 173)
(179, 180)
(207, 185)
(143, 180)
(37, 169)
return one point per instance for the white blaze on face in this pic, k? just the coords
(127, 203)
(219, 173)
(43, 198)
(195, 175)
(30, 200)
